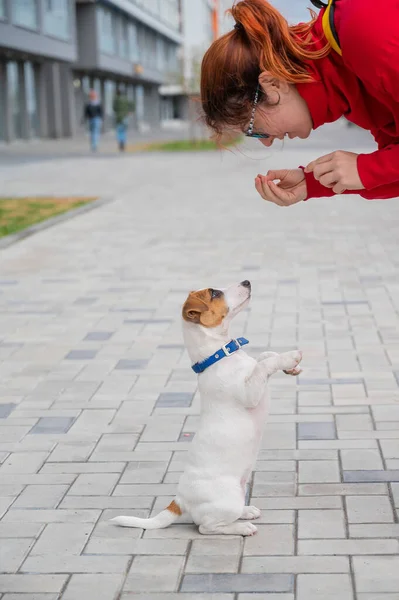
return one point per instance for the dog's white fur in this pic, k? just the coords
(234, 407)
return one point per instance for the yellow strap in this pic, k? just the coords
(327, 29)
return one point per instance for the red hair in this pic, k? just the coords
(261, 41)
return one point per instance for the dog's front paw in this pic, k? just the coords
(250, 512)
(290, 362)
(247, 529)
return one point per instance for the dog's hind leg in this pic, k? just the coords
(236, 528)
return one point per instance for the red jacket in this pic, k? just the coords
(363, 86)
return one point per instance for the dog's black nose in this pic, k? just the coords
(246, 283)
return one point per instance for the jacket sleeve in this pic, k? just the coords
(369, 37)
(316, 190)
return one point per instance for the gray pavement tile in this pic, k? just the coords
(316, 431)
(6, 409)
(47, 425)
(98, 336)
(175, 399)
(370, 476)
(219, 582)
(125, 364)
(81, 355)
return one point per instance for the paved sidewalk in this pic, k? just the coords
(98, 403)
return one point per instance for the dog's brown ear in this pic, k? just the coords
(193, 309)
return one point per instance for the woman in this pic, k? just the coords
(270, 80)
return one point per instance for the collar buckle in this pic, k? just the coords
(227, 351)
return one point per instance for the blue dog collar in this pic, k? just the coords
(224, 351)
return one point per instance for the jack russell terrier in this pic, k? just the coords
(234, 406)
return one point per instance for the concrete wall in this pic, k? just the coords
(36, 42)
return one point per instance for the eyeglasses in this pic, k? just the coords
(250, 130)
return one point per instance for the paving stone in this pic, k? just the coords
(93, 587)
(324, 587)
(98, 336)
(52, 425)
(353, 546)
(94, 484)
(13, 553)
(296, 503)
(380, 530)
(318, 471)
(321, 524)
(182, 596)
(316, 431)
(130, 546)
(354, 423)
(62, 539)
(342, 489)
(361, 460)
(31, 584)
(71, 452)
(125, 364)
(295, 564)
(31, 597)
(6, 409)
(199, 563)
(262, 596)
(175, 399)
(75, 564)
(155, 574)
(51, 516)
(40, 496)
(374, 596)
(370, 476)
(81, 355)
(271, 539)
(20, 530)
(22, 462)
(369, 509)
(376, 574)
(237, 583)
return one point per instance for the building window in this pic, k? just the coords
(160, 54)
(106, 30)
(14, 97)
(124, 40)
(133, 43)
(31, 99)
(2, 9)
(56, 18)
(24, 13)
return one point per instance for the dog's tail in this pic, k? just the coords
(160, 521)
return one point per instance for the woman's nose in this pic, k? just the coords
(267, 142)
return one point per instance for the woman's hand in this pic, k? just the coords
(337, 170)
(290, 189)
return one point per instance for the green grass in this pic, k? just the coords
(190, 145)
(17, 214)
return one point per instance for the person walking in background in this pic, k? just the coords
(122, 108)
(94, 116)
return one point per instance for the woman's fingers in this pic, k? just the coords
(319, 161)
(263, 188)
(328, 180)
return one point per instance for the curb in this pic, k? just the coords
(13, 238)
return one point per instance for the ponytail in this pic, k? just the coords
(261, 41)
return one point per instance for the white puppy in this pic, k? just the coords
(234, 406)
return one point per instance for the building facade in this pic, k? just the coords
(200, 20)
(53, 51)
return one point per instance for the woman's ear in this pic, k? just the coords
(271, 84)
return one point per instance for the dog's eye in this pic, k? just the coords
(215, 294)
